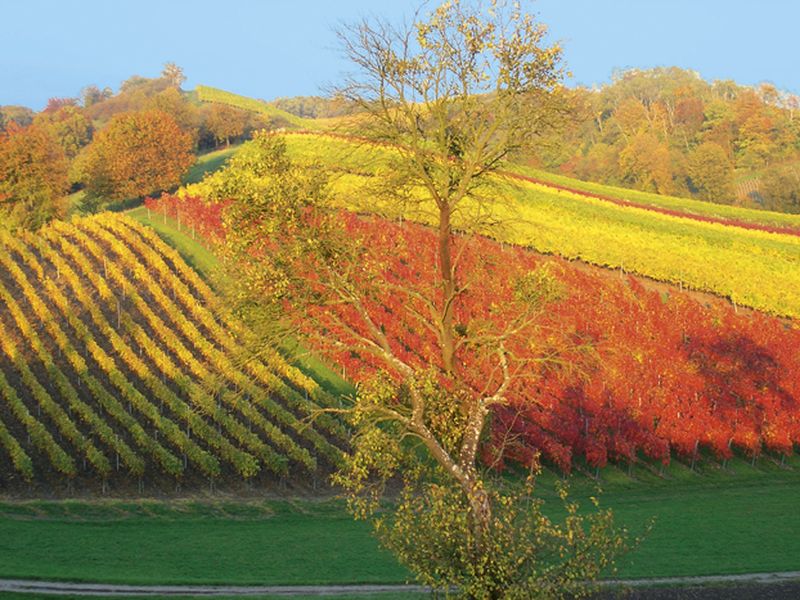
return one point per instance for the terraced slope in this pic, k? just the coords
(115, 367)
(210, 94)
(735, 215)
(751, 267)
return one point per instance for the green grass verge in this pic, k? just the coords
(206, 263)
(272, 543)
(377, 596)
(739, 520)
(188, 245)
(207, 163)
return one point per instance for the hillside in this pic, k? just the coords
(667, 376)
(281, 117)
(683, 242)
(116, 369)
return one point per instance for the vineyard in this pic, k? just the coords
(116, 367)
(210, 94)
(734, 214)
(666, 376)
(751, 267)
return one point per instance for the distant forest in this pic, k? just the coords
(112, 146)
(666, 130)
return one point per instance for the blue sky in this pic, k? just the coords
(270, 48)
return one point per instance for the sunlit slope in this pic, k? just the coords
(116, 364)
(753, 268)
(210, 94)
(689, 206)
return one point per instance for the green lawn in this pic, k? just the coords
(377, 596)
(741, 520)
(207, 163)
(188, 245)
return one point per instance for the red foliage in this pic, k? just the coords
(56, 104)
(664, 375)
(205, 217)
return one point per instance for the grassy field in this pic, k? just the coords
(377, 596)
(708, 522)
(208, 162)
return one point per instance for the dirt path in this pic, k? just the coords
(109, 589)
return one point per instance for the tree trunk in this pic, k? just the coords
(480, 508)
(448, 288)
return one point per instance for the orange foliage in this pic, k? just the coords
(137, 154)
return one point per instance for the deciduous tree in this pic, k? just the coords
(780, 187)
(33, 175)
(711, 172)
(225, 122)
(136, 154)
(454, 95)
(69, 125)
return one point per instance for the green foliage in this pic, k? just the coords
(526, 555)
(518, 553)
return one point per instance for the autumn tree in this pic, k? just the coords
(711, 172)
(780, 187)
(20, 115)
(33, 176)
(225, 122)
(136, 154)
(645, 163)
(173, 102)
(92, 94)
(173, 74)
(454, 96)
(69, 125)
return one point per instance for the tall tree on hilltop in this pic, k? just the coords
(173, 74)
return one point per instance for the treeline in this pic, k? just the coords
(315, 107)
(666, 130)
(114, 146)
